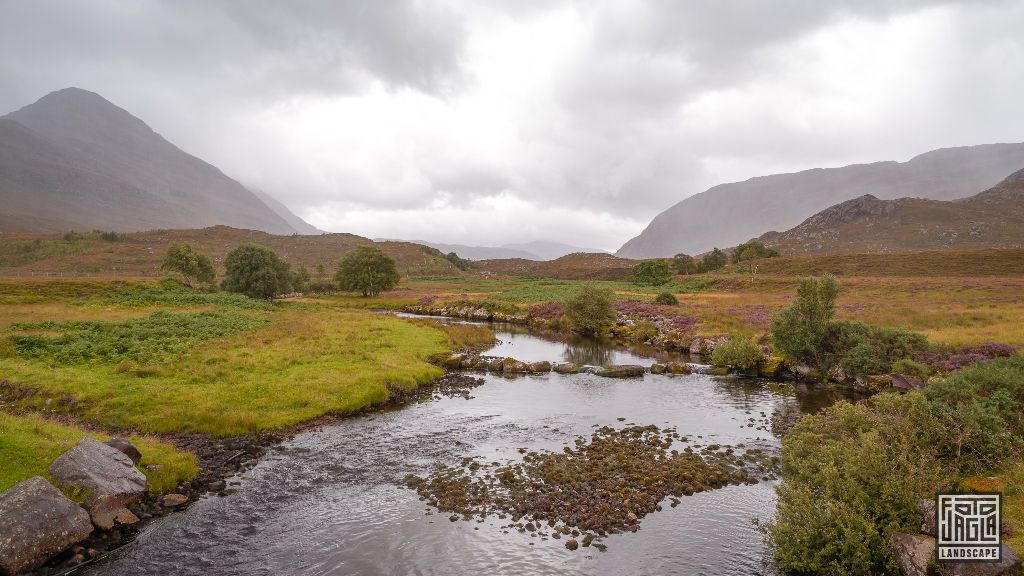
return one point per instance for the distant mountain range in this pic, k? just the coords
(539, 250)
(728, 214)
(991, 219)
(74, 161)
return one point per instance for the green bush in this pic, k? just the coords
(911, 368)
(367, 270)
(713, 261)
(740, 353)
(799, 331)
(666, 299)
(256, 271)
(589, 311)
(652, 273)
(862, 349)
(193, 266)
(460, 263)
(853, 472)
(752, 251)
(644, 331)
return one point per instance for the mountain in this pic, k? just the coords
(728, 214)
(546, 250)
(298, 224)
(991, 219)
(73, 160)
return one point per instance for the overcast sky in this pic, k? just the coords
(491, 122)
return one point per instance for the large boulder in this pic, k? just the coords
(678, 368)
(913, 553)
(567, 368)
(106, 477)
(513, 366)
(540, 367)
(36, 522)
(621, 371)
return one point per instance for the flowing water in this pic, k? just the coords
(330, 501)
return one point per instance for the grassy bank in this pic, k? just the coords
(29, 443)
(157, 358)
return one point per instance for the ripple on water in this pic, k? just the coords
(330, 503)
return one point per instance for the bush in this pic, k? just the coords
(862, 349)
(589, 311)
(367, 270)
(685, 264)
(652, 273)
(799, 331)
(752, 251)
(644, 331)
(460, 263)
(193, 266)
(854, 472)
(256, 271)
(666, 299)
(740, 353)
(911, 368)
(713, 261)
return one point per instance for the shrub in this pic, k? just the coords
(752, 251)
(300, 279)
(644, 331)
(799, 331)
(460, 263)
(652, 273)
(589, 311)
(666, 299)
(256, 271)
(713, 261)
(367, 270)
(861, 349)
(193, 266)
(740, 353)
(910, 368)
(684, 264)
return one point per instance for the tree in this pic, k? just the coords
(589, 311)
(652, 273)
(460, 263)
(684, 264)
(321, 272)
(256, 271)
(800, 330)
(193, 266)
(713, 260)
(752, 250)
(368, 270)
(300, 279)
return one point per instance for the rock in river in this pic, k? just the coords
(621, 371)
(36, 522)
(107, 477)
(567, 368)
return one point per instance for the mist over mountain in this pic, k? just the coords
(74, 161)
(538, 250)
(728, 214)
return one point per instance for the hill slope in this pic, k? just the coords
(729, 214)
(141, 253)
(73, 160)
(991, 219)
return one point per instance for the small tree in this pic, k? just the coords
(321, 272)
(256, 271)
(800, 330)
(713, 260)
(460, 263)
(367, 270)
(300, 279)
(753, 250)
(684, 264)
(193, 266)
(666, 299)
(589, 311)
(652, 273)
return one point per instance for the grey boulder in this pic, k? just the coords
(622, 371)
(107, 478)
(36, 522)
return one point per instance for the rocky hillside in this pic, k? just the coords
(729, 214)
(582, 266)
(74, 161)
(140, 253)
(991, 219)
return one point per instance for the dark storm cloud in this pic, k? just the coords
(370, 114)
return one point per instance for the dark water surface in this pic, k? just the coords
(329, 501)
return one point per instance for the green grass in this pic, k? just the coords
(28, 444)
(305, 362)
(153, 339)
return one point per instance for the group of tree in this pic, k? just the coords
(717, 258)
(258, 272)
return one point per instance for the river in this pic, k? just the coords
(330, 501)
